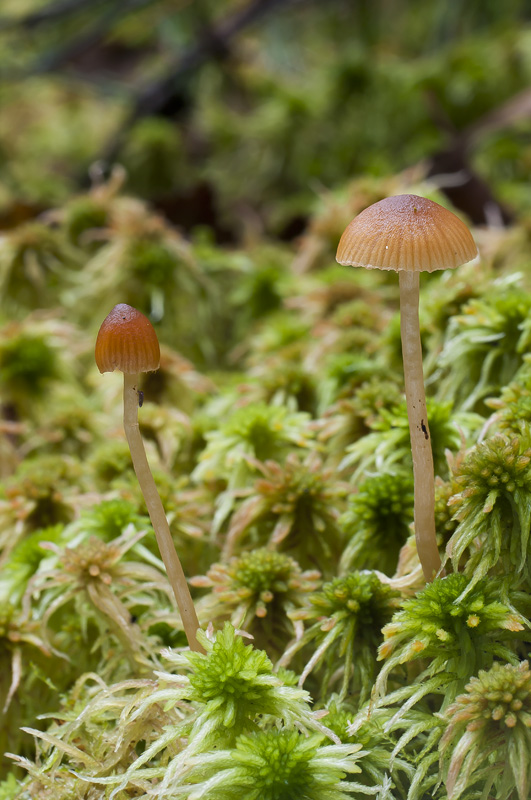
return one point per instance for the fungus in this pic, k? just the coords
(411, 234)
(127, 341)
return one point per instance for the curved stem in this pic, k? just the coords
(423, 474)
(156, 512)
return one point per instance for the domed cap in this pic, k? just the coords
(127, 341)
(406, 232)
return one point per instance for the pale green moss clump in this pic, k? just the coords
(487, 741)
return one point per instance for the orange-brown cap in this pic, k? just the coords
(406, 232)
(127, 341)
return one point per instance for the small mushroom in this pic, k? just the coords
(411, 234)
(127, 341)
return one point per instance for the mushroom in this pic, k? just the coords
(127, 341)
(411, 234)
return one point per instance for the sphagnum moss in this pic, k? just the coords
(345, 620)
(493, 507)
(294, 507)
(271, 434)
(95, 590)
(221, 703)
(274, 765)
(255, 432)
(257, 591)
(487, 741)
(377, 522)
(231, 684)
(484, 345)
(456, 627)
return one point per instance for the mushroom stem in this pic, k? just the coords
(156, 512)
(423, 474)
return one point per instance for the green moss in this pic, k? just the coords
(346, 618)
(153, 157)
(377, 522)
(492, 716)
(151, 262)
(458, 625)
(111, 460)
(83, 216)
(280, 765)
(492, 507)
(110, 518)
(27, 365)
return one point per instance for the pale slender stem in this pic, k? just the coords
(423, 475)
(156, 512)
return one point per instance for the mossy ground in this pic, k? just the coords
(276, 429)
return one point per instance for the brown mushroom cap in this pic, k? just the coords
(127, 341)
(406, 232)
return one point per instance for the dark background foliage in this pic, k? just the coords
(237, 115)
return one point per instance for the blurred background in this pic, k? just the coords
(240, 115)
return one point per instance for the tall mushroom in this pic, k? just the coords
(411, 234)
(127, 341)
